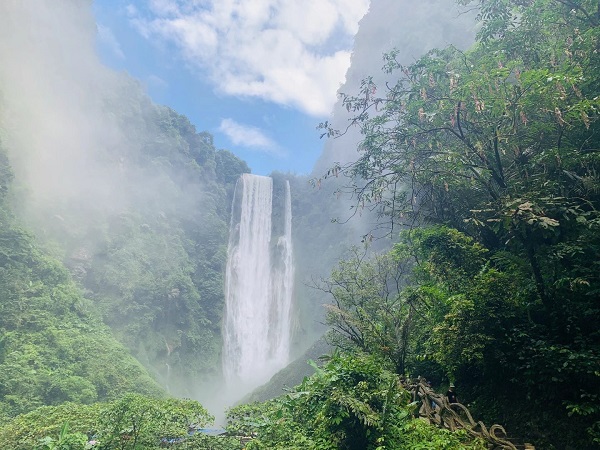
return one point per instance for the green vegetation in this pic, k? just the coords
(151, 257)
(52, 348)
(490, 158)
(145, 268)
(157, 272)
(354, 402)
(132, 422)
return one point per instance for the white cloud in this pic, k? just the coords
(108, 39)
(284, 51)
(156, 82)
(250, 137)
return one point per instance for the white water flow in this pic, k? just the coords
(258, 287)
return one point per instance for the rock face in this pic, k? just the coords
(412, 28)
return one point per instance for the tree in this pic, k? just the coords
(131, 422)
(500, 145)
(370, 311)
(353, 402)
(495, 122)
(141, 422)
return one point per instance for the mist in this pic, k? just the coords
(53, 102)
(114, 185)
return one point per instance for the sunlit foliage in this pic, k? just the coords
(354, 402)
(498, 147)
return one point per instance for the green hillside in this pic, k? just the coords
(54, 346)
(151, 255)
(143, 266)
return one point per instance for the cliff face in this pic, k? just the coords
(412, 28)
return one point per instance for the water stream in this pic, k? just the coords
(258, 286)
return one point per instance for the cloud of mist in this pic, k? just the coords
(76, 131)
(53, 94)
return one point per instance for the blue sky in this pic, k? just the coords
(257, 74)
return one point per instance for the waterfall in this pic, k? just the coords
(283, 285)
(258, 285)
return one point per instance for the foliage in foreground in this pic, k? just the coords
(352, 403)
(469, 315)
(132, 422)
(495, 149)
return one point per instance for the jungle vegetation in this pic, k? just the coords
(486, 163)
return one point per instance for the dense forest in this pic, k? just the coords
(482, 167)
(488, 162)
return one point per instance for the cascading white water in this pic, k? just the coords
(283, 285)
(258, 287)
